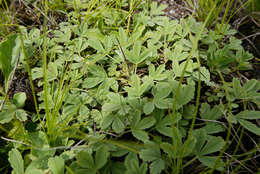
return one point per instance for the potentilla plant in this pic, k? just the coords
(128, 98)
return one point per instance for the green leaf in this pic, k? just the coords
(117, 125)
(178, 53)
(52, 71)
(130, 158)
(21, 115)
(96, 44)
(160, 92)
(97, 75)
(186, 95)
(191, 143)
(179, 68)
(38, 163)
(204, 75)
(250, 126)
(163, 124)
(212, 128)
(116, 103)
(19, 99)
(150, 154)
(214, 144)
(200, 135)
(210, 161)
(85, 160)
(107, 121)
(33, 171)
(188, 111)
(145, 123)
(56, 164)
(249, 115)
(16, 161)
(148, 108)
(153, 155)
(164, 127)
(140, 135)
(122, 37)
(6, 116)
(168, 149)
(157, 10)
(158, 73)
(135, 90)
(134, 168)
(135, 56)
(157, 166)
(210, 114)
(9, 54)
(91, 82)
(101, 157)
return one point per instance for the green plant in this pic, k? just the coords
(222, 13)
(125, 97)
(9, 56)
(253, 6)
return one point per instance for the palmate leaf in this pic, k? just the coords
(242, 118)
(214, 144)
(21, 115)
(101, 157)
(56, 164)
(136, 169)
(7, 114)
(157, 10)
(115, 120)
(145, 123)
(157, 74)
(116, 103)
(148, 108)
(212, 128)
(118, 125)
(132, 165)
(208, 113)
(96, 44)
(140, 135)
(200, 135)
(97, 75)
(9, 54)
(16, 161)
(160, 92)
(153, 155)
(85, 160)
(122, 37)
(33, 171)
(249, 115)
(136, 56)
(137, 89)
(210, 161)
(250, 126)
(139, 125)
(186, 93)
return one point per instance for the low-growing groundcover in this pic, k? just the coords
(130, 93)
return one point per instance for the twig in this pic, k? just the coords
(249, 170)
(45, 149)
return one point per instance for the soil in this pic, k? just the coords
(175, 9)
(21, 83)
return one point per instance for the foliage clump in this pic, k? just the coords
(124, 96)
